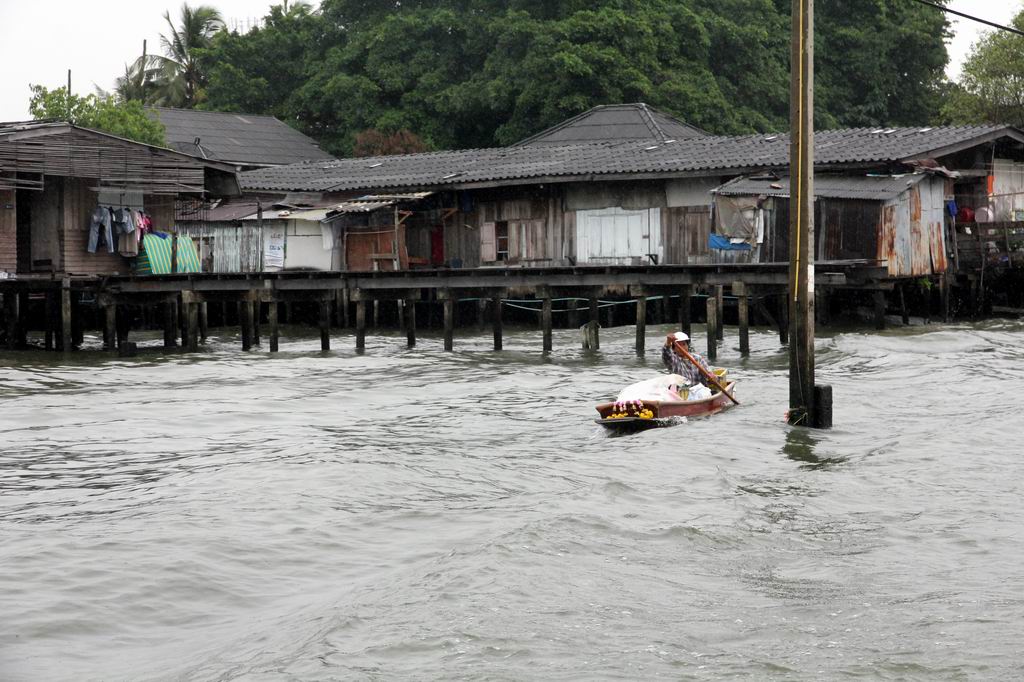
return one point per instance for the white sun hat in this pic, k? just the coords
(680, 336)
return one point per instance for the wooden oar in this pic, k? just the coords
(710, 375)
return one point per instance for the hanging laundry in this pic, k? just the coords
(100, 229)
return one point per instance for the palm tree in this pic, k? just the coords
(140, 81)
(181, 80)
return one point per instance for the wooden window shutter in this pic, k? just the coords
(488, 250)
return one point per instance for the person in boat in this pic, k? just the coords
(677, 364)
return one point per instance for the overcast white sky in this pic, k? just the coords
(41, 39)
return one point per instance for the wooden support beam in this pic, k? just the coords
(22, 319)
(481, 313)
(545, 322)
(574, 315)
(409, 322)
(341, 303)
(944, 286)
(360, 324)
(449, 320)
(245, 322)
(880, 305)
(739, 290)
(275, 329)
(720, 312)
(325, 324)
(712, 327)
(496, 321)
(685, 308)
(192, 311)
(641, 324)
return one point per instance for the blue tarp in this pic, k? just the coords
(717, 241)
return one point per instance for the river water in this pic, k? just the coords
(425, 515)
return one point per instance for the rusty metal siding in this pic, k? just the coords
(846, 229)
(228, 248)
(911, 235)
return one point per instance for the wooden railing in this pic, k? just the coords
(989, 245)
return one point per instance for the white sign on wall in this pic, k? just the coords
(273, 250)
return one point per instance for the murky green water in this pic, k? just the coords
(423, 515)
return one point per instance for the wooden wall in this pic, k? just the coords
(685, 231)
(79, 202)
(8, 231)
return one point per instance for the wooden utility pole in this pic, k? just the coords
(802, 397)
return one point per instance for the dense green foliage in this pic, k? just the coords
(991, 85)
(464, 73)
(124, 119)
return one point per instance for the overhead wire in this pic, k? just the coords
(943, 8)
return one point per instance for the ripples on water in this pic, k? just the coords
(417, 514)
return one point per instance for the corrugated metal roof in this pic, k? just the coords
(523, 164)
(615, 123)
(236, 138)
(870, 187)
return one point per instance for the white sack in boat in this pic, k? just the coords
(662, 387)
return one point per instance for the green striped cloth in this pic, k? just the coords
(155, 258)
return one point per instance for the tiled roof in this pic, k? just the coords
(870, 187)
(615, 123)
(237, 138)
(699, 155)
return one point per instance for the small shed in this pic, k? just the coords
(899, 219)
(55, 175)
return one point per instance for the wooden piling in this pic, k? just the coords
(481, 313)
(720, 312)
(123, 321)
(545, 323)
(170, 323)
(783, 321)
(449, 320)
(12, 315)
(49, 308)
(275, 328)
(641, 324)
(360, 324)
(77, 321)
(245, 322)
(325, 324)
(880, 305)
(944, 286)
(712, 327)
(739, 289)
(204, 322)
(496, 321)
(256, 315)
(593, 335)
(409, 321)
(685, 307)
(191, 313)
(800, 298)
(574, 315)
(110, 327)
(904, 315)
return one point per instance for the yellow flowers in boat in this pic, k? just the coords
(646, 414)
(636, 407)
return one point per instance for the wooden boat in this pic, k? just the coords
(642, 414)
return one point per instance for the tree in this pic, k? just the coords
(124, 119)
(181, 79)
(378, 143)
(479, 73)
(258, 71)
(991, 85)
